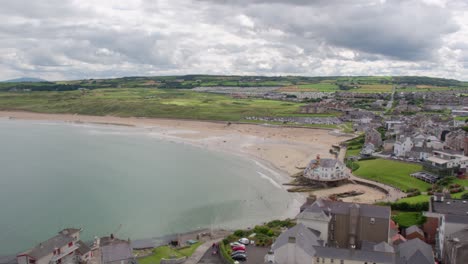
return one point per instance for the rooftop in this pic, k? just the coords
(368, 210)
(48, 246)
(415, 251)
(450, 206)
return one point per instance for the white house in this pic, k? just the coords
(326, 170)
(403, 146)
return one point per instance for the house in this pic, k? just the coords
(367, 150)
(301, 245)
(388, 145)
(455, 140)
(347, 225)
(414, 232)
(456, 247)
(445, 217)
(326, 170)
(60, 249)
(116, 251)
(403, 146)
(373, 136)
(444, 163)
(414, 251)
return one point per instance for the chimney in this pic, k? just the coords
(112, 236)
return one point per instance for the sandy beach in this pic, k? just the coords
(286, 149)
(283, 150)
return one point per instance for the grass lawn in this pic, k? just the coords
(458, 195)
(393, 173)
(407, 219)
(143, 102)
(166, 252)
(415, 199)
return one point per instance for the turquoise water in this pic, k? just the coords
(108, 179)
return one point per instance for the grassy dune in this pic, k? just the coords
(143, 102)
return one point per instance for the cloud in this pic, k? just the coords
(93, 39)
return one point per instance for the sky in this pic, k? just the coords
(79, 39)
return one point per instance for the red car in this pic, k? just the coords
(236, 248)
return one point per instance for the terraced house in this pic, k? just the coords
(64, 248)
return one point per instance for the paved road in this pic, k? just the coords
(201, 250)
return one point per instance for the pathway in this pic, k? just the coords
(200, 251)
(393, 193)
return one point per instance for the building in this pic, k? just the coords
(301, 245)
(446, 164)
(60, 249)
(347, 225)
(456, 247)
(115, 251)
(455, 140)
(327, 170)
(373, 136)
(403, 146)
(414, 251)
(413, 232)
(445, 217)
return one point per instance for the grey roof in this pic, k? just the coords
(408, 251)
(451, 206)
(304, 238)
(48, 246)
(384, 247)
(82, 247)
(368, 210)
(69, 231)
(325, 163)
(314, 211)
(357, 255)
(412, 229)
(461, 219)
(461, 235)
(8, 260)
(116, 252)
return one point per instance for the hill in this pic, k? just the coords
(25, 80)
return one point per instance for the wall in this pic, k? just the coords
(173, 261)
(291, 254)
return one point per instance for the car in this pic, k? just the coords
(240, 253)
(237, 252)
(244, 241)
(235, 244)
(237, 248)
(240, 257)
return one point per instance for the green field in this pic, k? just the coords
(167, 252)
(141, 102)
(407, 219)
(415, 199)
(393, 173)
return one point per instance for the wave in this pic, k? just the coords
(263, 176)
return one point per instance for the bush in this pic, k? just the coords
(225, 253)
(464, 196)
(455, 190)
(408, 207)
(445, 181)
(239, 233)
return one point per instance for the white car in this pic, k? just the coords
(233, 244)
(244, 241)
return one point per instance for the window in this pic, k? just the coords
(32, 261)
(341, 261)
(58, 251)
(318, 260)
(323, 260)
(332, 260)
(372, 220)
(70, 244)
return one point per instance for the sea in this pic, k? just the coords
(124, 180)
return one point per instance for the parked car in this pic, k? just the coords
(244, 241)
(235, 244)
(240, 257)
(237, 248)
(237, 252)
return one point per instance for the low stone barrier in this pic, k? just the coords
(371, 185)
(173, 261)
